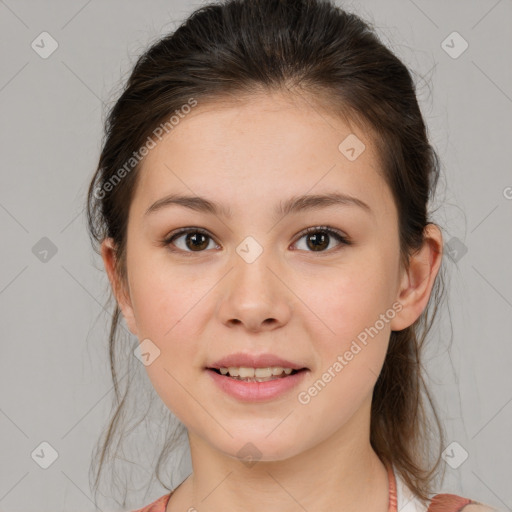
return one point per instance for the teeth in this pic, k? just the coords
(260, 373)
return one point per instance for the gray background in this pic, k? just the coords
(55, 384)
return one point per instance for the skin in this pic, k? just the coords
(292, 301)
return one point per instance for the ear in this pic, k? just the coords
(122, 296)
(417, 282)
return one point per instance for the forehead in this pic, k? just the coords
(267, 146)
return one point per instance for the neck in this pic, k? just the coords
(340, 473)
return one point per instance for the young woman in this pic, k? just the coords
(261, 208)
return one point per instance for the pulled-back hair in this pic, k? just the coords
(231, 50)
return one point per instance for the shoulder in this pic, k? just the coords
(479, 507)
(158, 505)
(455, 503)
(407, 501)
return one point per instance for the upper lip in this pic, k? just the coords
(254, 361)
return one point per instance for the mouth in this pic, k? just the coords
(256, 385)
(256, 374)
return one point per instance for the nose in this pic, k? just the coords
(254, 297)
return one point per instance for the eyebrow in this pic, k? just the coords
(292, 205)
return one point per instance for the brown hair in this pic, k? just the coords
(242, 47)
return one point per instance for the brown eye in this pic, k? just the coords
(318, 238)
(194, 240)
(317, 241)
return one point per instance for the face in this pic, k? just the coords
(252, 282)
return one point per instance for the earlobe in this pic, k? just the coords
(418, 280)
(121, 295)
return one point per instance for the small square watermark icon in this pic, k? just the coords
(44, 45)
(454, 455)
(249, 454)
(249, 249)
(44, 250)
(44, 455)
(454, 45)
(455, 249)
(351, 147)
(146, 352)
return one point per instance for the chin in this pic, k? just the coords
(260, 448)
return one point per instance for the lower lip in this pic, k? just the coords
(256, 391)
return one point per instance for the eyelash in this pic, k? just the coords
(314, 229)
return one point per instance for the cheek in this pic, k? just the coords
(356, 313)
(166, 305)
(351, 351)
(353, 300)
(163, 299)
